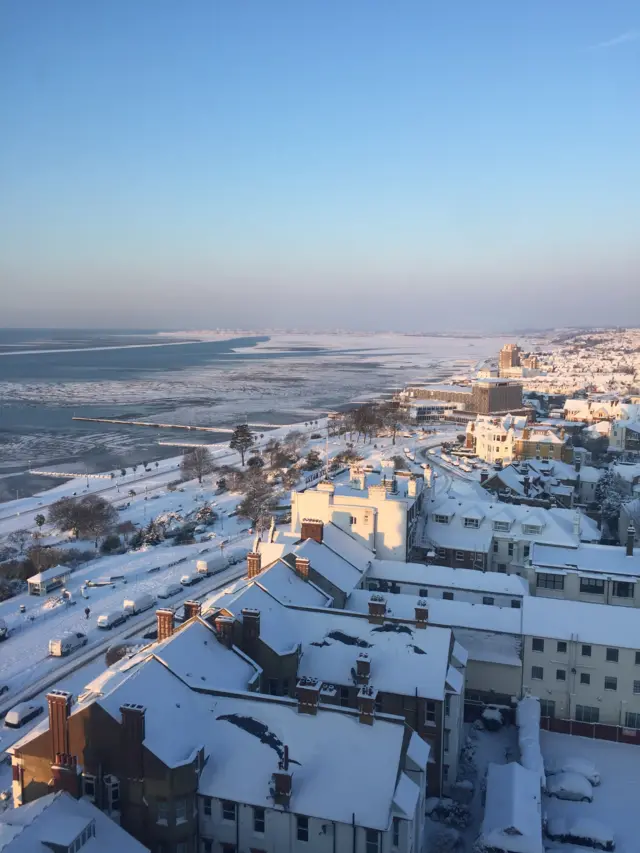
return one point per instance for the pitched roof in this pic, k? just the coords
(512, 814)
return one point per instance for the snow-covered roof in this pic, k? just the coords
(512, 815)
(282, 581)
(329, 564)
(345, 545)
(587, 557)
(628, 471)
(599, 624)
(50, 574)
(447, 577)
(59, 819)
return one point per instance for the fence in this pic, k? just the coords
(598, 731)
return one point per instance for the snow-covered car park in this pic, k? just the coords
(608, 822)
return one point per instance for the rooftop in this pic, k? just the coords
(512, 814)
(445, 576)
(329, 564)
(607, 560)
(49, 574)
(599, 624)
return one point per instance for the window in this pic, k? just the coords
(228, 811)
(495, 546)
(181, 810)
(510, 549)
(501, 526)
(344, 697)
(445, 772)
(502, 568)
(113, 793)
(441, 552)
(637, 658)
(353, 520)
(612, 655)
(273, 686)
(89, 786)
(587, 714)
(561, 674)
(445, 740)
(206, 806)
(459, 556)
(372, 841)
(487, 599)
(302, 824)
(585, 678)
(537, 672)
(440, 519)
(526, 551)
(591, 586)
(537, 644)
(430, 712)
(472, 522)
(258, 821)
(610, 682)
(207, 845)
(448, 596)
(561, 647)
(632, 720)
(447, 704)
(531, 529)
(162, 812)
(586, 651)
(623, 589)
(378, 703)
(636, 687)
(285, 686)
(547, 708)
(515, 603)
(424, 592)
(544, 580)
(396, 832)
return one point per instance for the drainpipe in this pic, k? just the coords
(353, 823)
(238, 826)
(334, 836)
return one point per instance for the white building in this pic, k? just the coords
(493, 438)
(378, 509)
(625, 436)
(602, 409)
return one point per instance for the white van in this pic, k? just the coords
(170, 590)
(205, 567)
(68, 642)
(107, 621)
(139, 604)
(21, 714)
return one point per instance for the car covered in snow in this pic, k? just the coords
(582, 831)
(570, 786)
(582, 766)
(22, 713)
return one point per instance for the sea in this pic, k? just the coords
(217, 379)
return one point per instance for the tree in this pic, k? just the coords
(241, 440)
(255, 462)
(40, 519)
(272, 448)
(290, 478)
(19, 538)
(609, 495)
(313, 461)
(196, 462)
(89, 517)
(259, 501)
(389, 416)
(294, 441)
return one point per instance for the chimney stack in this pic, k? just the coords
(302, 567)
(631, 535)
(308, 691)
(165, 620)
(363, 668)
(312, 528)
(250, 627)
(366, 704)
(254, 564)
(526, 482)
(377, 609)
(224, 627)
(422, 613)
(191, 610)
(132, 737)
(577, 523)
(484, 476)
(66, 774)
(59, 702)
(282, 781)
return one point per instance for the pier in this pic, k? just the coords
(122, 422)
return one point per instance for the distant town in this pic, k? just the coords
(412, 626)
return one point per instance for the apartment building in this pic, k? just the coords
(485, 396)
(493, 536)
(625, 436)
(189, 767)
(509, 356)
(493, 439)
(379, 509)
(600, 409)
(417, 672)
(58, 822)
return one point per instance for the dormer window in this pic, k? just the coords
(502, 526)
(531, 529)
(440, 519)
(472, 522)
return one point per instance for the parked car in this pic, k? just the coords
(583, 831)
(22, 713)
(191, 578)
(582, 766)
(570, 786)
(107, 621)
(4, 688)
(68, 642)
(170, 590)
(139, 604)
(4, 631)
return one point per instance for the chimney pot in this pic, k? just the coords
(191, 610)
(367, 703)
(254, 564)
(165, 620)
(377, 609)
(308, 692)
(302, 567)
(312, 528)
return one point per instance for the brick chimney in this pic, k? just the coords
(165, 619)
(412, 487)
(250, 626)
(367, 703)
(526, 482)
(132, 728)
(59, 702)
(422, 613)
(377, 609)
(312, 528)
(224, 627)
(484, 476)
(282, 781)
(254, 564)
(631, 535)
(308, 692)
(191, 610)
(363, 668)
(302, 567)
(65, 774)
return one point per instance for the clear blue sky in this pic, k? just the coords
(356, 163)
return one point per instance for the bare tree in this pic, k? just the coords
(196, 463)
(259, 500)
(89, 517)
(19, 538)
(294, 441)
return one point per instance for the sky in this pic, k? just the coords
(413, 165)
